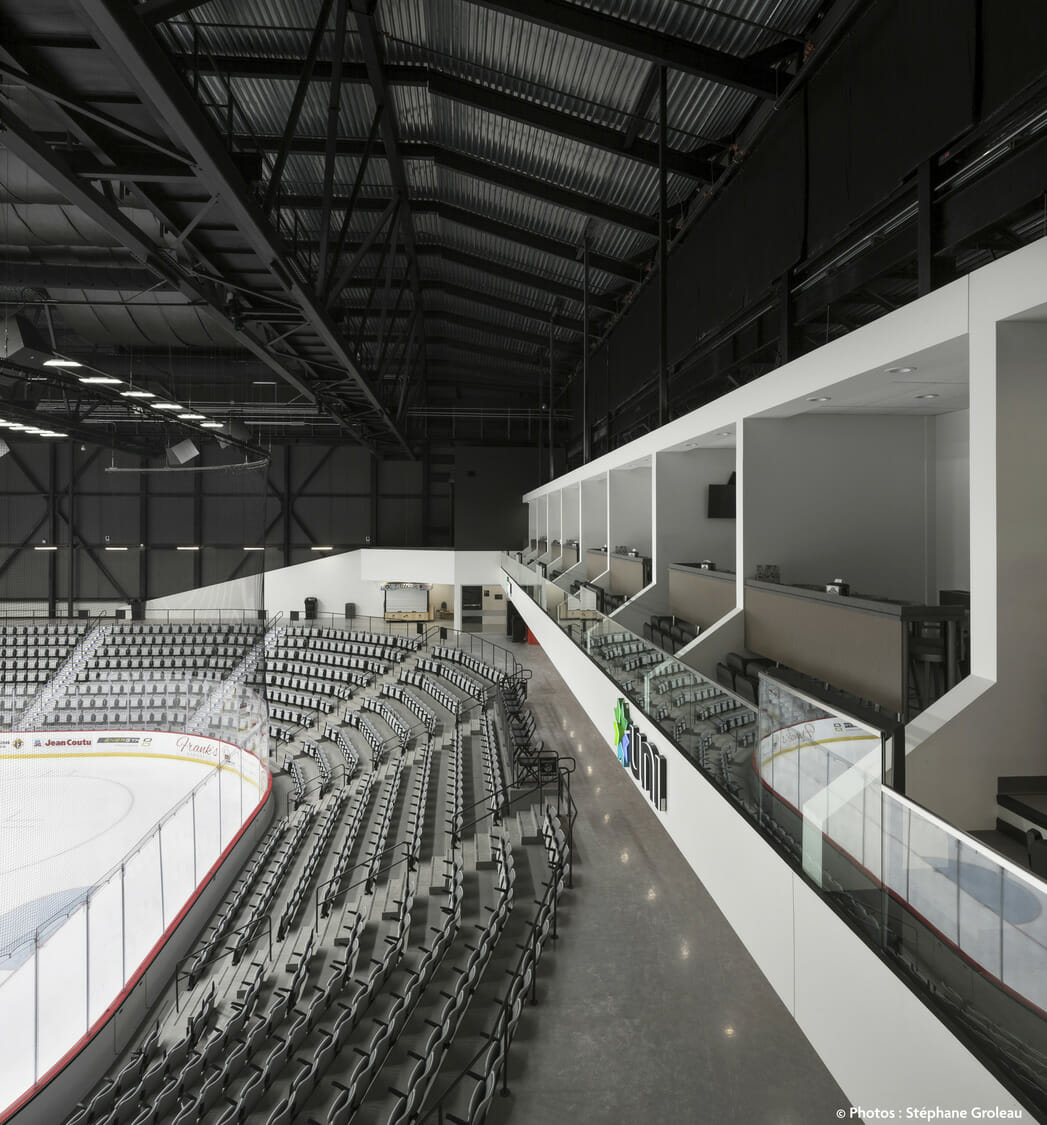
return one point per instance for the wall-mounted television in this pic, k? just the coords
(721, 502)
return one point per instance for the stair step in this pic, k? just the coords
(531, 826)
(485, 860)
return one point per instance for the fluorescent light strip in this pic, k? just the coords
(137, 394)
(321, 548)
(118, 548)
(100, 380)
(45, 548)
(212, 425)
(192, 417)
(59, 362)
(187, 548)
(167, 406)
(254, 548)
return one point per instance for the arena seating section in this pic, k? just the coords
(377, 950)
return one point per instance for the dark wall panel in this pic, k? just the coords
(400, 476)
(750, 236)
(488, 511)
(400, 521)
(898, 90)
(1014, 34)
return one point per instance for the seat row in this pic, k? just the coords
(316, 752)
(412, 703)
(392, 640)
(460, 680)
(642, 660)
(356, 720)
(292, 715)
(333, 887)
(328, 673)
(309, 684)
(447, 701)
(40, 634)
(390, 717)
(668, 632)
(494, 774)
(229, 909)
(333, 733)
(314, 644)
(376, 658)
(380, 833)
(272, 881)
(314, 858)
(301, 699)
(473, 663)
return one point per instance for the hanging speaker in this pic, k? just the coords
(182, 452)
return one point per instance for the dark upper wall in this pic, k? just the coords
(308, 495)
(909, 81)
(489, 483)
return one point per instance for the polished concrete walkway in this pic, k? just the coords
(650, 1009)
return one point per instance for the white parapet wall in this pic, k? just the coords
(881, 1043)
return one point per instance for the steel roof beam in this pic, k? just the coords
(154, 11)
(389, 127)
(527, 110)
(635, 39)
(132, 46)
(20, 140)
(507, 178)
(473, 220)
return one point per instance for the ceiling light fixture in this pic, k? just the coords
(321, 548)
(59, 362)
(137, 394)
(254, 548)
(821, 398)
(927, 396)
(899, 370)
(118, 548)
(45, 548)
(187, 548)
(100, 380)
(167, 406)
(212, 425)
(190, 417)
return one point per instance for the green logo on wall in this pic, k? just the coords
(621, 731)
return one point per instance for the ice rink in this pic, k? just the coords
(104, 838)
(994, 912)
(67, 821)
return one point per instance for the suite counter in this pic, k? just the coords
(629, 573)
(857, 643)
(595, 562)
(701, 596)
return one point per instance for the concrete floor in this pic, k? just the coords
(650, 1009)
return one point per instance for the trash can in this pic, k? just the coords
(310, 609)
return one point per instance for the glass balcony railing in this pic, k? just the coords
(961, 924)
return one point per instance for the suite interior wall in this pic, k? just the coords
(839, 496)
(954, 770)
(684, 531)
